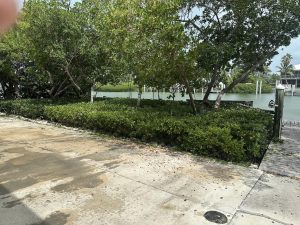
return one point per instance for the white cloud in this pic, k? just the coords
(293, 49)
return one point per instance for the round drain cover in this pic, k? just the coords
(216, 217)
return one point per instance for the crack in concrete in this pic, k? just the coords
(262, 215)
(239, 210)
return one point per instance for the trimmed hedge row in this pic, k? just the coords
(121, 87)
(234, 134)
(250, 88)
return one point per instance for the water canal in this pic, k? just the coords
(291, 106)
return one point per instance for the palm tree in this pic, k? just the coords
(286, 68)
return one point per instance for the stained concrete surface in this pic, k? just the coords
(275, 197)
(53, 175)
(284, 158)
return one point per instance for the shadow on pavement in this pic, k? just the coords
(13, 211)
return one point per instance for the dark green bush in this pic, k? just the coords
(233, 134)
(121, 87)
(215, 142)
(26, 108)
(250, 88)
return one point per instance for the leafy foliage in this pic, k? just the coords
(245, 33)
(54, 50)
(286, 67)
(121, 87)
(250, 88)
(63, 42)
(61, 49)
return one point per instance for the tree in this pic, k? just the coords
(286, 68)
(20, 77)
(266, 74)
(240, 33)
(63, 43)
(8, 81)
(148, 42)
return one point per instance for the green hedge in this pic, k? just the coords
(234, 134)
(249, 88)
(122, 87)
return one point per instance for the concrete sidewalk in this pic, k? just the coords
(56, 176)
(284, 158)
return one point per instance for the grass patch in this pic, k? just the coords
(233, 134)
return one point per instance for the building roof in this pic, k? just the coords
(297, 67)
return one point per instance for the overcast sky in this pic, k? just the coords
(293, 49)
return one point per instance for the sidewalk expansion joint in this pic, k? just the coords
(262, 215)
(238, 209)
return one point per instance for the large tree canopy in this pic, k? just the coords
(156, 43)
(57, 43)
(242, 33)
(63, 42)
(148, 42)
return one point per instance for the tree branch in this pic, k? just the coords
(77, 88)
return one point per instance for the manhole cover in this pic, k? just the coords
(216, 217)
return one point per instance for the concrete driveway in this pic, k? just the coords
(52, 175)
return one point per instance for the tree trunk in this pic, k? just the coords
(237, 81)
(139, 97)
(78, 94)
(16, 91)
(3, 89)
(230, 87)
(209, 88)
(77, 89)
(51, 91)
(192, 102)
(219, 99)
(51, 81)
(208, 91)
(9, 91)
(58, 90)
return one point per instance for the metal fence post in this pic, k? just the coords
(278, 111)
